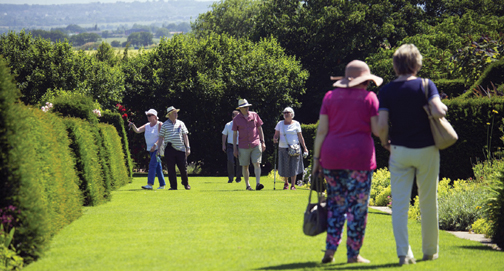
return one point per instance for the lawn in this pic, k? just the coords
(220, 226)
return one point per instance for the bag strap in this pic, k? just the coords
(285, 134)
(311, 189)
(425, 83)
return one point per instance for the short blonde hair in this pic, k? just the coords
(407, 60)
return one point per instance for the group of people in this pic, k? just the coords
(344, 153)
(242, 140)
(168, 139)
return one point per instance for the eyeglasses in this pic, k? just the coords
(286, 113)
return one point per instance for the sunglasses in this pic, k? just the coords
(150, 115)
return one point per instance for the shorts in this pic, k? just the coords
(247, 155)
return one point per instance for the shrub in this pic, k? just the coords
(380, 188)
(459, 210)
(87, 163)
(494, 209)
(481, 226)
(114, 155)
(452, 88)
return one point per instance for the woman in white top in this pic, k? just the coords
(288, 132)
(151, 130)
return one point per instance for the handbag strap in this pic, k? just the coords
(285, 134)
(425, 83)
(311, 189)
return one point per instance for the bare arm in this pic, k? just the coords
(261, 138)
(302, 142)
(276, 136)
(186, 143)
(137, 130)
(235, 148)
(438, 108)
(383, 128)
(322, 130)
(374, 126)
(224, 139)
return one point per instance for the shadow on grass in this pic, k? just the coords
(378, 213)
(485, 248)
(335, 266)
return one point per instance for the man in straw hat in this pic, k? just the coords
(177, 148)
(251, 145)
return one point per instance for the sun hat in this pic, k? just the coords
(356, 73)
(151, 112)
(289, 110)
(242, 103)
(171, 109)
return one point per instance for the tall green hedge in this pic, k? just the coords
(114, 155)
(493, 74)
(116, 120)
(452, 88)
(37, 169)
(88, 164)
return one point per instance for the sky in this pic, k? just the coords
(60, 2)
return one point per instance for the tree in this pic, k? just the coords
(140, 38)
(83, 38)
(233, 17)
(162, 32)
(205, 77)
(115, 43)
(106, 53)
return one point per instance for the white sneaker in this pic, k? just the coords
(161, 187)
(149, 187)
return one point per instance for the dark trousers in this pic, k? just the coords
(233, 166)
(179, 158)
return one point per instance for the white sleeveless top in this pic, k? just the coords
(151, 135)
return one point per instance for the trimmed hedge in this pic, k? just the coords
(493, 74)
(452, 88)
(37, 171)
(116, 120)
(88, 165)
(114, 155)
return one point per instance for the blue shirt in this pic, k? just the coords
(409, 124)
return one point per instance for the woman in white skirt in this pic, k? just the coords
(288, 132)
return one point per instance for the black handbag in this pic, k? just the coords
(315, 216)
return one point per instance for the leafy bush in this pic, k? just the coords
(494, 210)
(87, 163)
(481, 226)
(460, 209)
(452, 88)
(114, 155)
(380, 188)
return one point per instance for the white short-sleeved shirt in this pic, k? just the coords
(291, 130)
(228, 131)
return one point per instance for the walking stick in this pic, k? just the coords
(274, 171)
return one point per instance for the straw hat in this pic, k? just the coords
(171, 109)
(356, 73)
(243, 103)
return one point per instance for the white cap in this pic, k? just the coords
(151, 112)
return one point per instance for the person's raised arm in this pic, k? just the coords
(135, 129)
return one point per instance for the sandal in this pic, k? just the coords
(250, 188)
(293, 187)
(286, 186)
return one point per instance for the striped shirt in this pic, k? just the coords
(173, 133)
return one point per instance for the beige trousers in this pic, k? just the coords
(404, 165)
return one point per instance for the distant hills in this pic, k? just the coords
(105, 15)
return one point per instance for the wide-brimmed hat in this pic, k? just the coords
(356, 73)
(151, 112)
(242, 103)
(171, 109)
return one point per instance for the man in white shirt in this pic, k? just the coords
(233, 166)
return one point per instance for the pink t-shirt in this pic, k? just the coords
(247, 128)
(348, 143)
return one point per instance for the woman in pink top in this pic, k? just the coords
(344, 152)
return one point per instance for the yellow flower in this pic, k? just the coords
(488, 123)
(495, 111)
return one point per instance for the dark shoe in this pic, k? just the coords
(230, 181)
(328, 256)
(238, 180)
(250, 188)
(171, 188)
(259, 186)
(187, 187)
